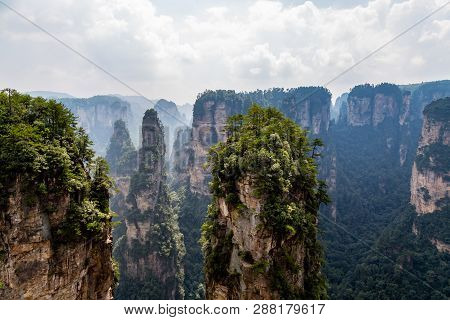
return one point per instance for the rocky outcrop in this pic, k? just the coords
(35, 264)
(149, 246)
(259, 239)
(55, 223)
(427, 190)
(430, 186)
(441, 246)
(249, 243)
(307, 106)
(253, 251)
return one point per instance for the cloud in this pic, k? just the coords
(258, 45)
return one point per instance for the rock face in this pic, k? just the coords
(430, 186)
(33, 265)
(97, 116)
(253, 251)
(249, 243)
(181, 156)
(150, 248)
(339, 110)
(172, 119)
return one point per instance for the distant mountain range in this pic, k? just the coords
(49, 94)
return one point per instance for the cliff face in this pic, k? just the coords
(378, 159)
(97, 116)
(150, 248)
(172, 119)
(55, 224)
(259, 239)
(369, 105)
(430, 187)
(181, 156)
(339, 110)
(122, 158)
(34, 264)
(252, 251)
(309, 107)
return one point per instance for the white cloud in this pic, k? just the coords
(264, 44)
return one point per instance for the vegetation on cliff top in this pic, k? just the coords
(240, 102)
(439, 110)
(369, 91)
(281, 161)
(43, 148)
(436, 156)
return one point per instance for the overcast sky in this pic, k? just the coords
(176, 49)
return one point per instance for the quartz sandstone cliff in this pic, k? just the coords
(35, 265)
(150, 249)
(430, 186)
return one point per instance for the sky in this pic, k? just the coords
(177, 49)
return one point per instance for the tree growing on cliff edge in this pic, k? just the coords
(42, 147)
(269, 158)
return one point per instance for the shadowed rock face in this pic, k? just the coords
(430, 186)
(35, 265)
(247, 237)
(149, 246)
(97, 116)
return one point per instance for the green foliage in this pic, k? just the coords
(439, 110)
(276, 155)
(287, 101)
(369, 91)
(116, 269)
(42, 146)
(260, 266)
(192, 208)
(429, 91)
(435, 156)
(372, 252)
(400, 266)
(362, 91)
